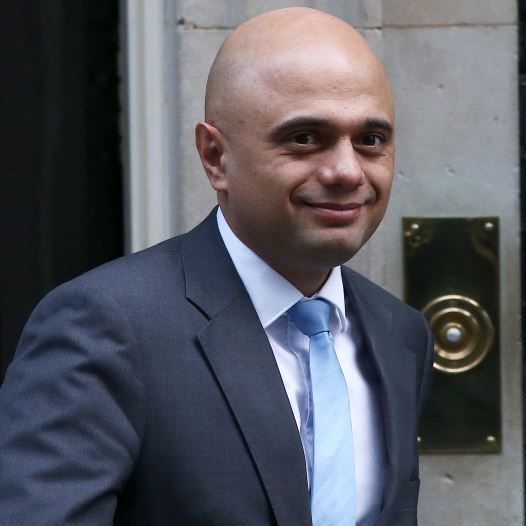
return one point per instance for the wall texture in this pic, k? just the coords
(453, 67)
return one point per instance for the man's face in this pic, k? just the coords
(309, 161)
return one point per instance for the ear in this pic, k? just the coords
(211, 144)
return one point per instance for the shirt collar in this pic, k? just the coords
(271, 294)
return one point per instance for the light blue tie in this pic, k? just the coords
(333, 487)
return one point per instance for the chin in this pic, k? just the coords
(329, 253)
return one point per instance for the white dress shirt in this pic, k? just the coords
(272, 296)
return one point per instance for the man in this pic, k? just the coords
(182, 384)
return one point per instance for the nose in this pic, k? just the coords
(342, 166)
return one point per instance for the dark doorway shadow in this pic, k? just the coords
(61, 177)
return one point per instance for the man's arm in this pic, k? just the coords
(71, 412)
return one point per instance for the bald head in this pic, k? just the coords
(287, 41)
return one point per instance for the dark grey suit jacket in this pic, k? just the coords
(145, 392)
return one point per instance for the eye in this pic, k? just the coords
(371, 140)
(303, 138)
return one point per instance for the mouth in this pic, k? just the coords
(337, 212)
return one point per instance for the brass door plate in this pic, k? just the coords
(451, 271)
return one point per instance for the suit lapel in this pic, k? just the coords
(240, 355)
(396, 368)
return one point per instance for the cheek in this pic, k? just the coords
(266, 178)
(257, 194)
(381, 178)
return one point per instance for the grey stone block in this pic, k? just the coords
(375, 40)
(448, 12)
(456, 95)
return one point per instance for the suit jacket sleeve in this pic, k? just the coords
(71, 412)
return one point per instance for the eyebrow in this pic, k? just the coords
(300, 122)
(374, 123)
(379, 124)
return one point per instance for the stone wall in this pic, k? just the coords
(453, 66)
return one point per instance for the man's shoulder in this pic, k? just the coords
(127, 285)
(138, 269)
(150, 269)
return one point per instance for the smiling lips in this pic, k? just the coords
(340, 212)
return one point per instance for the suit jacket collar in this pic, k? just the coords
(396, 367)
(211, 280)
(240, 355)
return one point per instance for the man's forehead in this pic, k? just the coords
(328, 67)
(318, 100)
(302, 82)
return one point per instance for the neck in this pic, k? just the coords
(308, 283)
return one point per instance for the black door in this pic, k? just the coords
(61, 180)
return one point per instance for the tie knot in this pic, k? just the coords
(311, 316)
